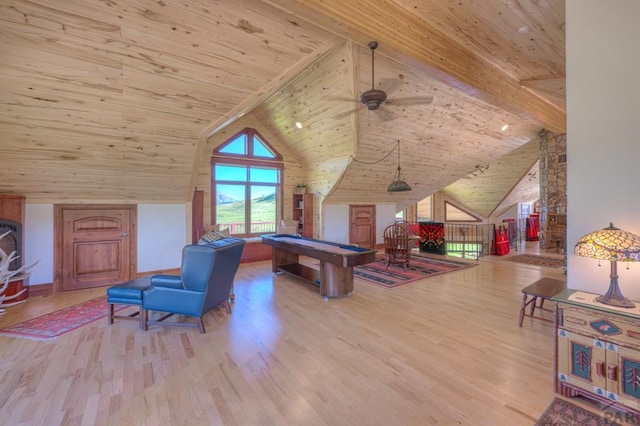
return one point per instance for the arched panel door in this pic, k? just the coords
(96, 248)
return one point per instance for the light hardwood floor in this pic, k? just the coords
(445, 350)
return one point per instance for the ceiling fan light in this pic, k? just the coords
(399, 186)
(373, 105)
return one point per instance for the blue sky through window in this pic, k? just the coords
(233, 173)
(259, 150)
(263, 175)
(237, 145)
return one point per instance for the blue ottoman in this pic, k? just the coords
(129, 293)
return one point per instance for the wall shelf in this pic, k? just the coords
(303, 213)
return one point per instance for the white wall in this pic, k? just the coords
(336, 221)
(510, 213)
(603, 137)
(162, 232)
(38, 242)
(385, 216)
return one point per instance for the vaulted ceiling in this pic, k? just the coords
(114, 100)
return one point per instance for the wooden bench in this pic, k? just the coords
(543, 289)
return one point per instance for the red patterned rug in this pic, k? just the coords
(420, 267)
(54, 324)
(564, 413)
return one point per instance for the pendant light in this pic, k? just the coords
(398, 184)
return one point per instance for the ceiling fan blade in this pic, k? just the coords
(343, 99)
(390, 85)
(347, 113)
(418, 100)
(384, 115)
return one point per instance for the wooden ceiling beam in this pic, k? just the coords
(404, 37)
(552, 89)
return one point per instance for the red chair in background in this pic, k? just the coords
(533, 224)
(502, 239)
(413, 229)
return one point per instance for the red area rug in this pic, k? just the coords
(564, 413)
(54, 324)
(420, 267)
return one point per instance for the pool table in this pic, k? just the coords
(335, 277)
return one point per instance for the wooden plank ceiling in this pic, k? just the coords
(113, 100)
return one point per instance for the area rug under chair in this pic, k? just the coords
(54, 324)
(538, 260)
(419, 268)
(564, 413)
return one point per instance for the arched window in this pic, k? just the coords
(246, 176)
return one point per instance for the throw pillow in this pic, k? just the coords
(209, 228)
(210, 237)
(216, 227)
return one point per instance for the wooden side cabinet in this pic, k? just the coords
(303, 213)
(597, 351)
(556, 230)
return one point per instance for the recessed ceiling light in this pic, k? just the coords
(524, 29)
(504, 128)
(298, 125)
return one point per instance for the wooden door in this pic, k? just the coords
(97, 246)
(362, 228)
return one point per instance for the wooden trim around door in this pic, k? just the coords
(372, 232)
(58, 229)
(197, 216)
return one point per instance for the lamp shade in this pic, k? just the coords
(614, 245)
(611, 244)
(398, 184)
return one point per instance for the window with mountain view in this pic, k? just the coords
(246, 173)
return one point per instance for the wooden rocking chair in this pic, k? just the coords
(397, 245)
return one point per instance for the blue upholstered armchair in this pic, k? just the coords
(205, 282)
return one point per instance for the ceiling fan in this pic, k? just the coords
(374, 98)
